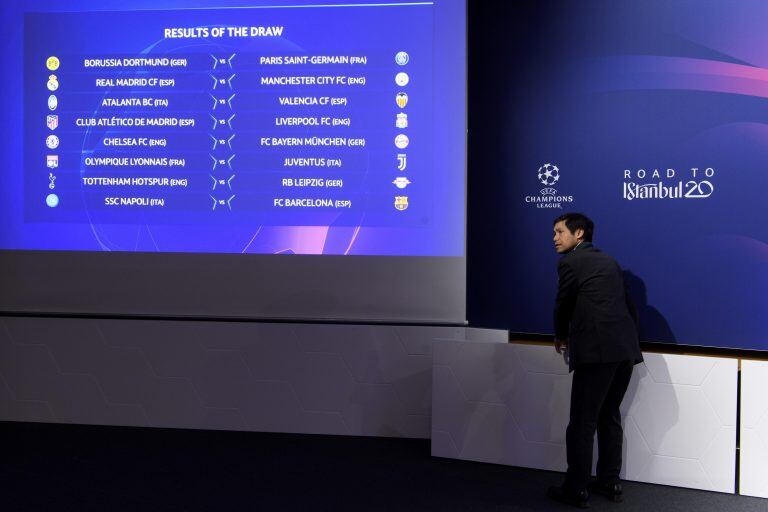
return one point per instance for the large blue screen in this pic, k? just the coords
(234, 127)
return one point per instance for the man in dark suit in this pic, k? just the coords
(596, 324)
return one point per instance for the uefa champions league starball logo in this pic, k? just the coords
(548, 174)
(548, 197)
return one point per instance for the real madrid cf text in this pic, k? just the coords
(230, 122)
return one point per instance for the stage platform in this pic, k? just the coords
(83, 468)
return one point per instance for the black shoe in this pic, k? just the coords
(613, 492)
(575, 499)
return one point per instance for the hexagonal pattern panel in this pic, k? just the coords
(508, 404)
(322, 379)
(754, 429)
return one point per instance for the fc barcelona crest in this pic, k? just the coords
(401, 203)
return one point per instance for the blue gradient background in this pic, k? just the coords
(610, 86)
(436, 230)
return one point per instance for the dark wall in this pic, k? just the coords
(504, 68)
(604, 90)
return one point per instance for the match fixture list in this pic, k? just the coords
(228, 122)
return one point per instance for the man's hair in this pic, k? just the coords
(574, 221)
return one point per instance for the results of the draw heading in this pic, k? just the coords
(293, 117)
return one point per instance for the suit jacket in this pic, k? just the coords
(593, 310)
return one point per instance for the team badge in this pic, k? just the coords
(52, 142)
(53, 83)
(402, 79)
(52, 161)
(402, 58)
(52, 121)
(401, 99)
(401, 203)
(402, 120)
(53, 102)
(52, 63)
(401, 141)
(401, 182)
(402, 161)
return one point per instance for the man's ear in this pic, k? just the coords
(579, 234)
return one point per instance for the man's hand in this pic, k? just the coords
(560, 345)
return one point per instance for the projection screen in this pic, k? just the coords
(269, 160)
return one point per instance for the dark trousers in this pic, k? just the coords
(596, 394)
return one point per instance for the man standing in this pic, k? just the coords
(596, 323)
